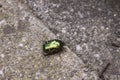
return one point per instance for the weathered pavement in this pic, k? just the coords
(91, 28)
(21, 38)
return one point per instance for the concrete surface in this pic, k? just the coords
(21, 54)
(91, 28)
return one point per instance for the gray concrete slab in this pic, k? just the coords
(21, 54)
(91, 28)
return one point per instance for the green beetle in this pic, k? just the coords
(53, 46)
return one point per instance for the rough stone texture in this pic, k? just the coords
(91, 28)
(21, 55)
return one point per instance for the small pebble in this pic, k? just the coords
(1, 72)
(20, 45)
(83, 28)
(115, 15)
(78, 48)
(63, 30)
(97, 55)
(2, 55)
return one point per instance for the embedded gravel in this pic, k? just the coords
(91, 28)
(21, 56)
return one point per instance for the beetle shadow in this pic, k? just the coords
(53, 53)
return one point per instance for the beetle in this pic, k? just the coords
(53, 46)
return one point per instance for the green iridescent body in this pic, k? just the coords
(53, 46)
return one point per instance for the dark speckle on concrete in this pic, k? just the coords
(8, 29)
(23, 25)
(0, 5)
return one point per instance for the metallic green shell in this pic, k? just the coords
(53, 46)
